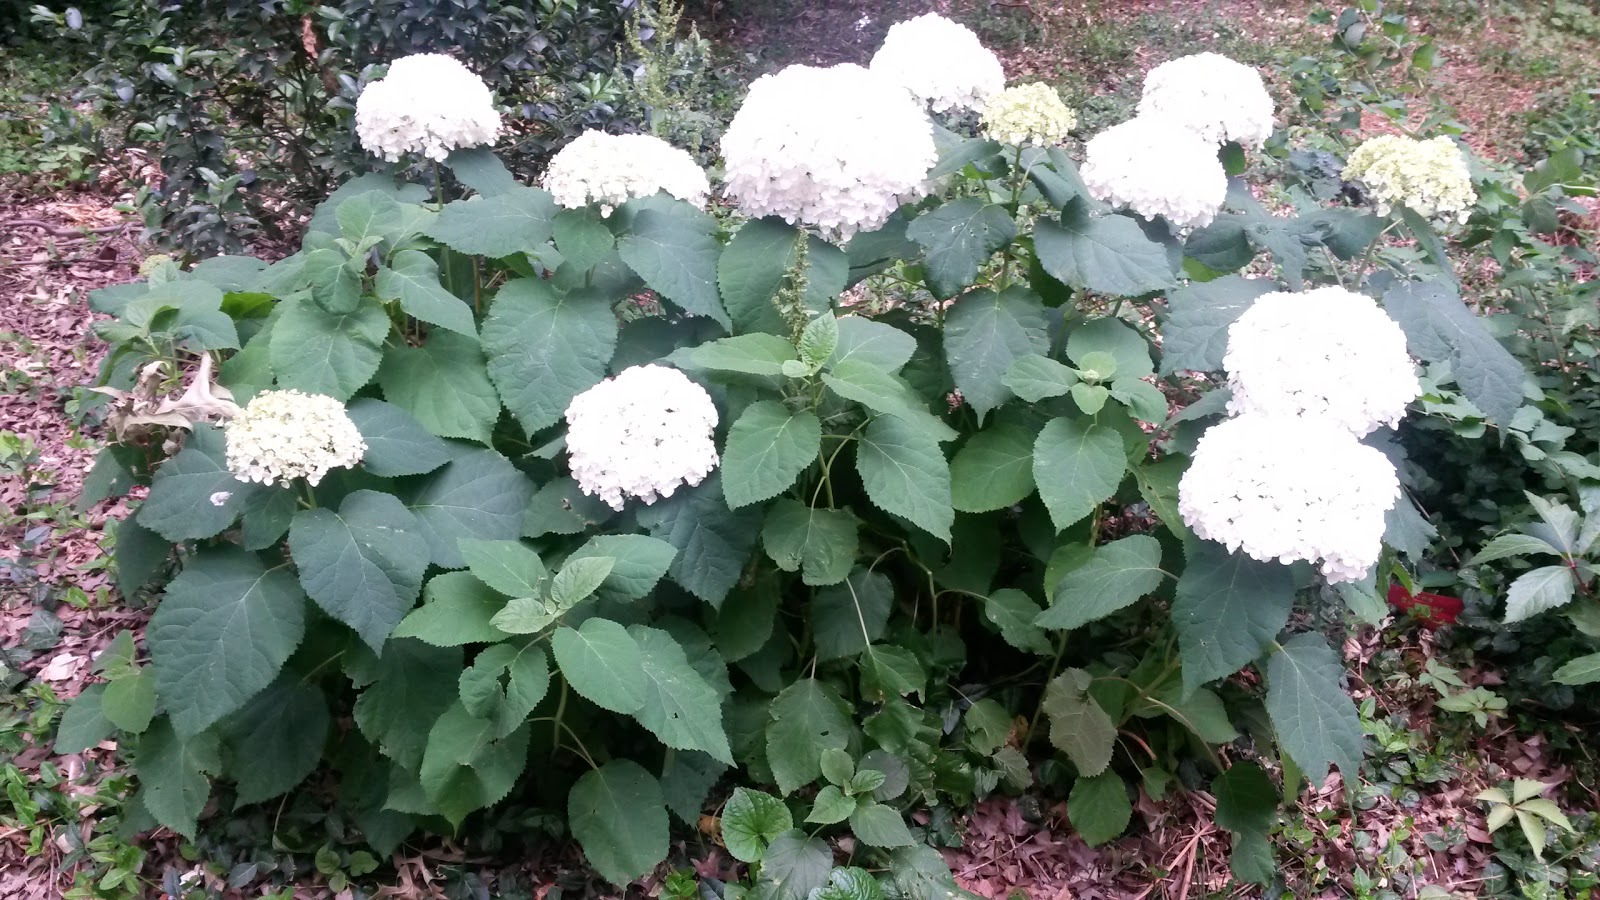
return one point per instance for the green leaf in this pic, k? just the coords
(988, 725)
(325, 219)
(620, 820)
(220, 635)
(993, 469)
(1158, 486)
(756, 353)
(1228, 608)
(363, 565)
(1118, 574)
(677, 257)
(837, 766)
(179, 506)
(1315, 719)
(877, 825)
(881, 392)
(750, 821)
(1202, 712)
(604, 664)
(1013, 612)
(1077, 465)
(756, 263)
(319, 352)
(545, 348)
(1078, 726)
(1512, 545)
(846, 617)
(807, 718)
(890, 671)
(877, 344)
(412, 277)
(713, 542)
(819, 543)
(1440, 328)
(745, 621)
(984, 334)
(465, 768)
(578, 579)
(1583, 670)
(527, 679)
(680, 707)
(478, 494)
(583, 238)
(1539, 590)
(1036, 378)
(819, 340)
(958, 237)
(831, 807)
(84, 723)
(686, 783)
(130, 701)
(510, 567)
(396, 443)
(768, 447)
(517, 221)
(1106, 254)
(276, 740)
(457, 609)
(1098, 808)
(638, 564)
(172, 775)
(1128, 350)
(793, 867)
(415, 683)
(905, 473)
(1195, 334)
(444, 384)
(479, 169)
(1247, 802)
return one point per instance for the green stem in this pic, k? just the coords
(1038, 709)
(561, 710)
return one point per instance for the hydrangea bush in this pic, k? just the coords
(628, 498)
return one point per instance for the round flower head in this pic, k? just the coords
(1156, 169)
(1028, 112)
(1211, 95)
(284, 435)
(939, 62)
(1290, 488)
(428, 104)
(609, 169)
(837, 148)
(641, 434)
(1428, 177)
(1328, 352)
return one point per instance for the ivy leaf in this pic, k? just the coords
(320, 352)
(671, 248)
(793, 867)
(545, 348)
(179, 506)
(1098, 808)
(846, 617)
(713, 542)
(819, 543)
(172, 775)
(516, 221)
(1195, 334)
(881, 392)
(276, 740)
(993, 469)
(680, 707)
(1440, 328)
(412, 277)
(620, 820)
(1315, 719)
(1013, 612)
(457, 609)
(444, 384)
(905, 473)
(1118, 574)
(1544, 588)
(768, 447)
(363, 564)
(1078, 726)
(958, 237)
(1228, 608)
(807, 718)
(877, 825)
(984, 333)
(1077, 466)
(1107, 254)
(478, 494)
(414, 684)
(225, 627)
(638, 562)
(396, 443)
(750, 821)
(604, 664)
(465, 768)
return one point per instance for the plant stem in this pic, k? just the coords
(1038, 708)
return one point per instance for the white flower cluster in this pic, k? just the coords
(1290, 488)
(1428, 177)
(939, 62)
(428, 103)
(1031, 112)
(641, 434)
(1326, 353)
(610, 169)
(837, 148)
(1211, 95)
(1156, 168)
(284, 435)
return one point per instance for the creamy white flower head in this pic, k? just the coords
(610, 169)
(429, 104)
(837, 148)
(1327, 352)
(641, 434)
(1211, 95)
(284, 435)
(1428, 177)
(940, 62)
(1156, 168)
(1028, 113)
(1290, 488)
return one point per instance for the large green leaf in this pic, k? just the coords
(638, 564)
(620, 820)
(444, 384)
(819, 543)
(1128, 349)
(750, 821)
(221, 633)
(984, 333)
(1537, 590)
(1228, 608)
(478, 168)
(877, 825)
(546, 347)
(768, 448)
(276, 740)
(794, 867)
(1107, 254)
(713, 542)
(1098, 808)
(1195, 334)
(807, 718)
(412, 277)
(510, 567)
(680, 707)
(414, 684)
(1118, 574)
(875, 343)
(478, 494)
(140, 554)
(755, 264)
(884, 393)
(674, 249)
(180, 505)
(604, 664)
(583, 238)
(465, 767)
(993, 469)
(516, 221)
(1013, 612)
(958, 237)
(905, 473)
(1247, 803)
(756, 353)
(1078, 726)
(1077, 465)
(319, 352)
(396, 443)
(1583, 670)
(172, 775)
(83, 724)
(1315, 719)
(850, 615)
(1440, 328)
(363, 565)
(457, 609)
(526, 673)
(686, 783)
